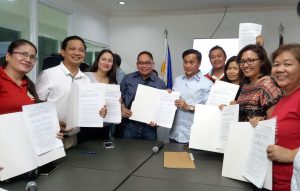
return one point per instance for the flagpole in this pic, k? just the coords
(166, 54)
(166, 33)
(281, 30)
(166, 43)
(164, 64)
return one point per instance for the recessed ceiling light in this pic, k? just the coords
(122, 3)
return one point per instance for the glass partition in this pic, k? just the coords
(14, 22)
(52, 29)
(92, 49)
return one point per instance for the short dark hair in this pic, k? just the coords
(66, 40)
(145, 52)
(265, 64)
(112, 79)
(192, 51)
(293, 48)
(215, 48)
(117, 59)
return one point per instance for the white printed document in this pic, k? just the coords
(18, 153)
(210, 128)
(86, 100)
(222, 93)
(112, 101)
(229, 114)
(241, 159)
(42, 124)
(248, 33)
(257, 162)
(151, 104)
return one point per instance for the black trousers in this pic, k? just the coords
(93, 134)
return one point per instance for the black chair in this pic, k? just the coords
(2, 60)
(84, 67)
(56, 58)
(52, 60)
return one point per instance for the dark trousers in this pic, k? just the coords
(87, 133)
(138, 130)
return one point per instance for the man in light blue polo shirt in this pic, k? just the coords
(194, 89)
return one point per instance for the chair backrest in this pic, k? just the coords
(84, 67)
(55, 59)
(52, 60)
(2, 60)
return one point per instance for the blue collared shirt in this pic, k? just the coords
(194, 90)
(131, 81)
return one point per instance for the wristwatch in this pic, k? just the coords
(191, 108)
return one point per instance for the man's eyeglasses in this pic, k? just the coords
(147, 63)
(25, 55)
(250, 62)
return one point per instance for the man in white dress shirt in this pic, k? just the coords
(54, 84)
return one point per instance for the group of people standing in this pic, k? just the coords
(266, 91)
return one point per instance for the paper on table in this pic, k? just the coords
(158, 104)
(257, 161)
(222, 93)
(229, 114)
(42, 124)
(86, 100)
(209, 127)
(178, 160)
(236, 153)
(112, 101)
(248, 33)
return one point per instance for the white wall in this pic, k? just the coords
(88, 24)
(131, 34)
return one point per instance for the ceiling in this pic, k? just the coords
(111, 7)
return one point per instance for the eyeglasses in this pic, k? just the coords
(250, 62)
(146, 63)
(25, 55)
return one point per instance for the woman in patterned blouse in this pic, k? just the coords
(259, 93)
